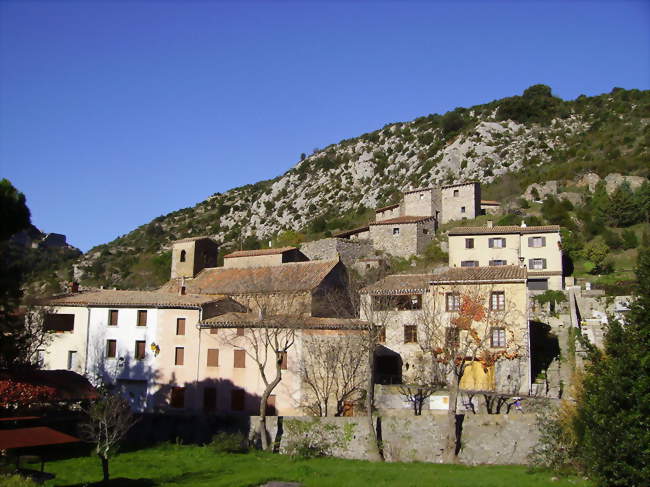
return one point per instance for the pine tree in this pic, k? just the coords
(623, 206)
(600, 203)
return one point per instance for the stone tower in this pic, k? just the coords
(190, 255)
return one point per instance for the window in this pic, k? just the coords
(497, 243)
(425, 231)
(456, 193)
(240, 332)
(381, 334)
(240, 359)
(469, 243)
(395, 231)
(139, 350)
(283, 360)
(498, 301)
(498, 262)
(213, 357)
(111, 348)
(142, 318)
(498, 337)
(179, 356)
(214, 331)
(400, 302)
(210, 399)
(537, 242)
(537, 285)
(410, 334)
(469, 263)
(452, 337)
(421, 196)
(59, 323)
(112, 317)
(177, 397)
(40, 358)
(462, 209)
(180, 326)
(537, 264)
(452, 301)
(237, 399)
(72, 360)
(183, 255)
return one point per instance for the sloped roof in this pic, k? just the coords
(253, 253)
(466, 183)
(112, 297)
(289, 277)
(514, 229)
(252, 320)
(68, 385)
(354, 231)
(400, 284)
(384, 208)
(482, 274)
(192, 239)
(402, 219)
(490, 202)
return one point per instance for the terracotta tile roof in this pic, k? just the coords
(384, 208)
(459, 184)
(354, 231)
(403, 219)
(31, 437)
(153, 299)
(192, 239)
(400, 284)
(252, 320)
(482, 274)
(503, 230)
(490, 202)
(289, 277)
(68, 385)
(253, 253)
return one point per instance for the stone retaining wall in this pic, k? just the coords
(485, 439)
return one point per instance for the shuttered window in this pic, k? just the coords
(452, 301)
(179, 356)
(537, 242)
(240, 332)
(469, 263)
(410, 334)
(210, 399)
(498, 301)
(177, 397)
(237, 399)
(59, 323)
(213, 357)
(139, 350)
(112, 317)
(180, 326)
(498, 337)
(240, 359)
(497, 243)
(214, 331)
(381, 334)
(537, 264)
(111, 348)
(142, 318)
(469, 243)
(498, 262)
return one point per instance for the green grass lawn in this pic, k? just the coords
(173, 465)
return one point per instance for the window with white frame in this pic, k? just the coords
(469, 243)
(469, 263)
(537, 242)
(498, 301)
(537, 264)
(497, 243)
(452, 301)
(498, 262)
(498, 337)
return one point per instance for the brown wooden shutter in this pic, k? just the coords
(270, 406)
(214, 331)
(179, 358)
(111, 348)
(142, 318)
(213, 357)
(112, 317)
(178, 397)
(139, 349)
(240, 359)
(283, 358)
(180, 326)
(240, 332)
(237, 399)
(210, 399)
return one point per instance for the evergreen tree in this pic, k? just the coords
(600, 203)
(613, 414)
(642, 202)
(623, 206)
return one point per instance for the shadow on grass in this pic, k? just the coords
(119, 482)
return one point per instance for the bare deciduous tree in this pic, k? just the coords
(332, 370)
(109, 420)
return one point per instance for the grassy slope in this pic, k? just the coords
(194, 466)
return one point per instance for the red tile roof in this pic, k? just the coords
(252, 320)
(253, 253)
(403, 219)
(503, 230)
(30, 437)
(152, 299)
(289, 277)
(482, 274)
(389, 207)
(400, 284)
(192, 239)
(69, 385)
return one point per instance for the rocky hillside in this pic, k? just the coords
(506, 144)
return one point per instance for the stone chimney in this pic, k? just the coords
(489, 223)
(523, 224)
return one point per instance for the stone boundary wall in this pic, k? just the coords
(485, 439)
(331, 248)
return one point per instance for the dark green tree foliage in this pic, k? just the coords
(623, 206)
(453, 122)
(613, 415)
(557, 212)
(630, 240)
(600, 204)
(642, 202)
(536, 105)
(612, 239)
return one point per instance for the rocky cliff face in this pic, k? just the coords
(535, 136)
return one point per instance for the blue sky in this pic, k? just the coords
(113, 113)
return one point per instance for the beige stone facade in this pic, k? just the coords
(263, 257)
(460, 201)
(190, 255)
(403, 236)
(422, 202)
(539, 248)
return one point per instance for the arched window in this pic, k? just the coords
(183, 255)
